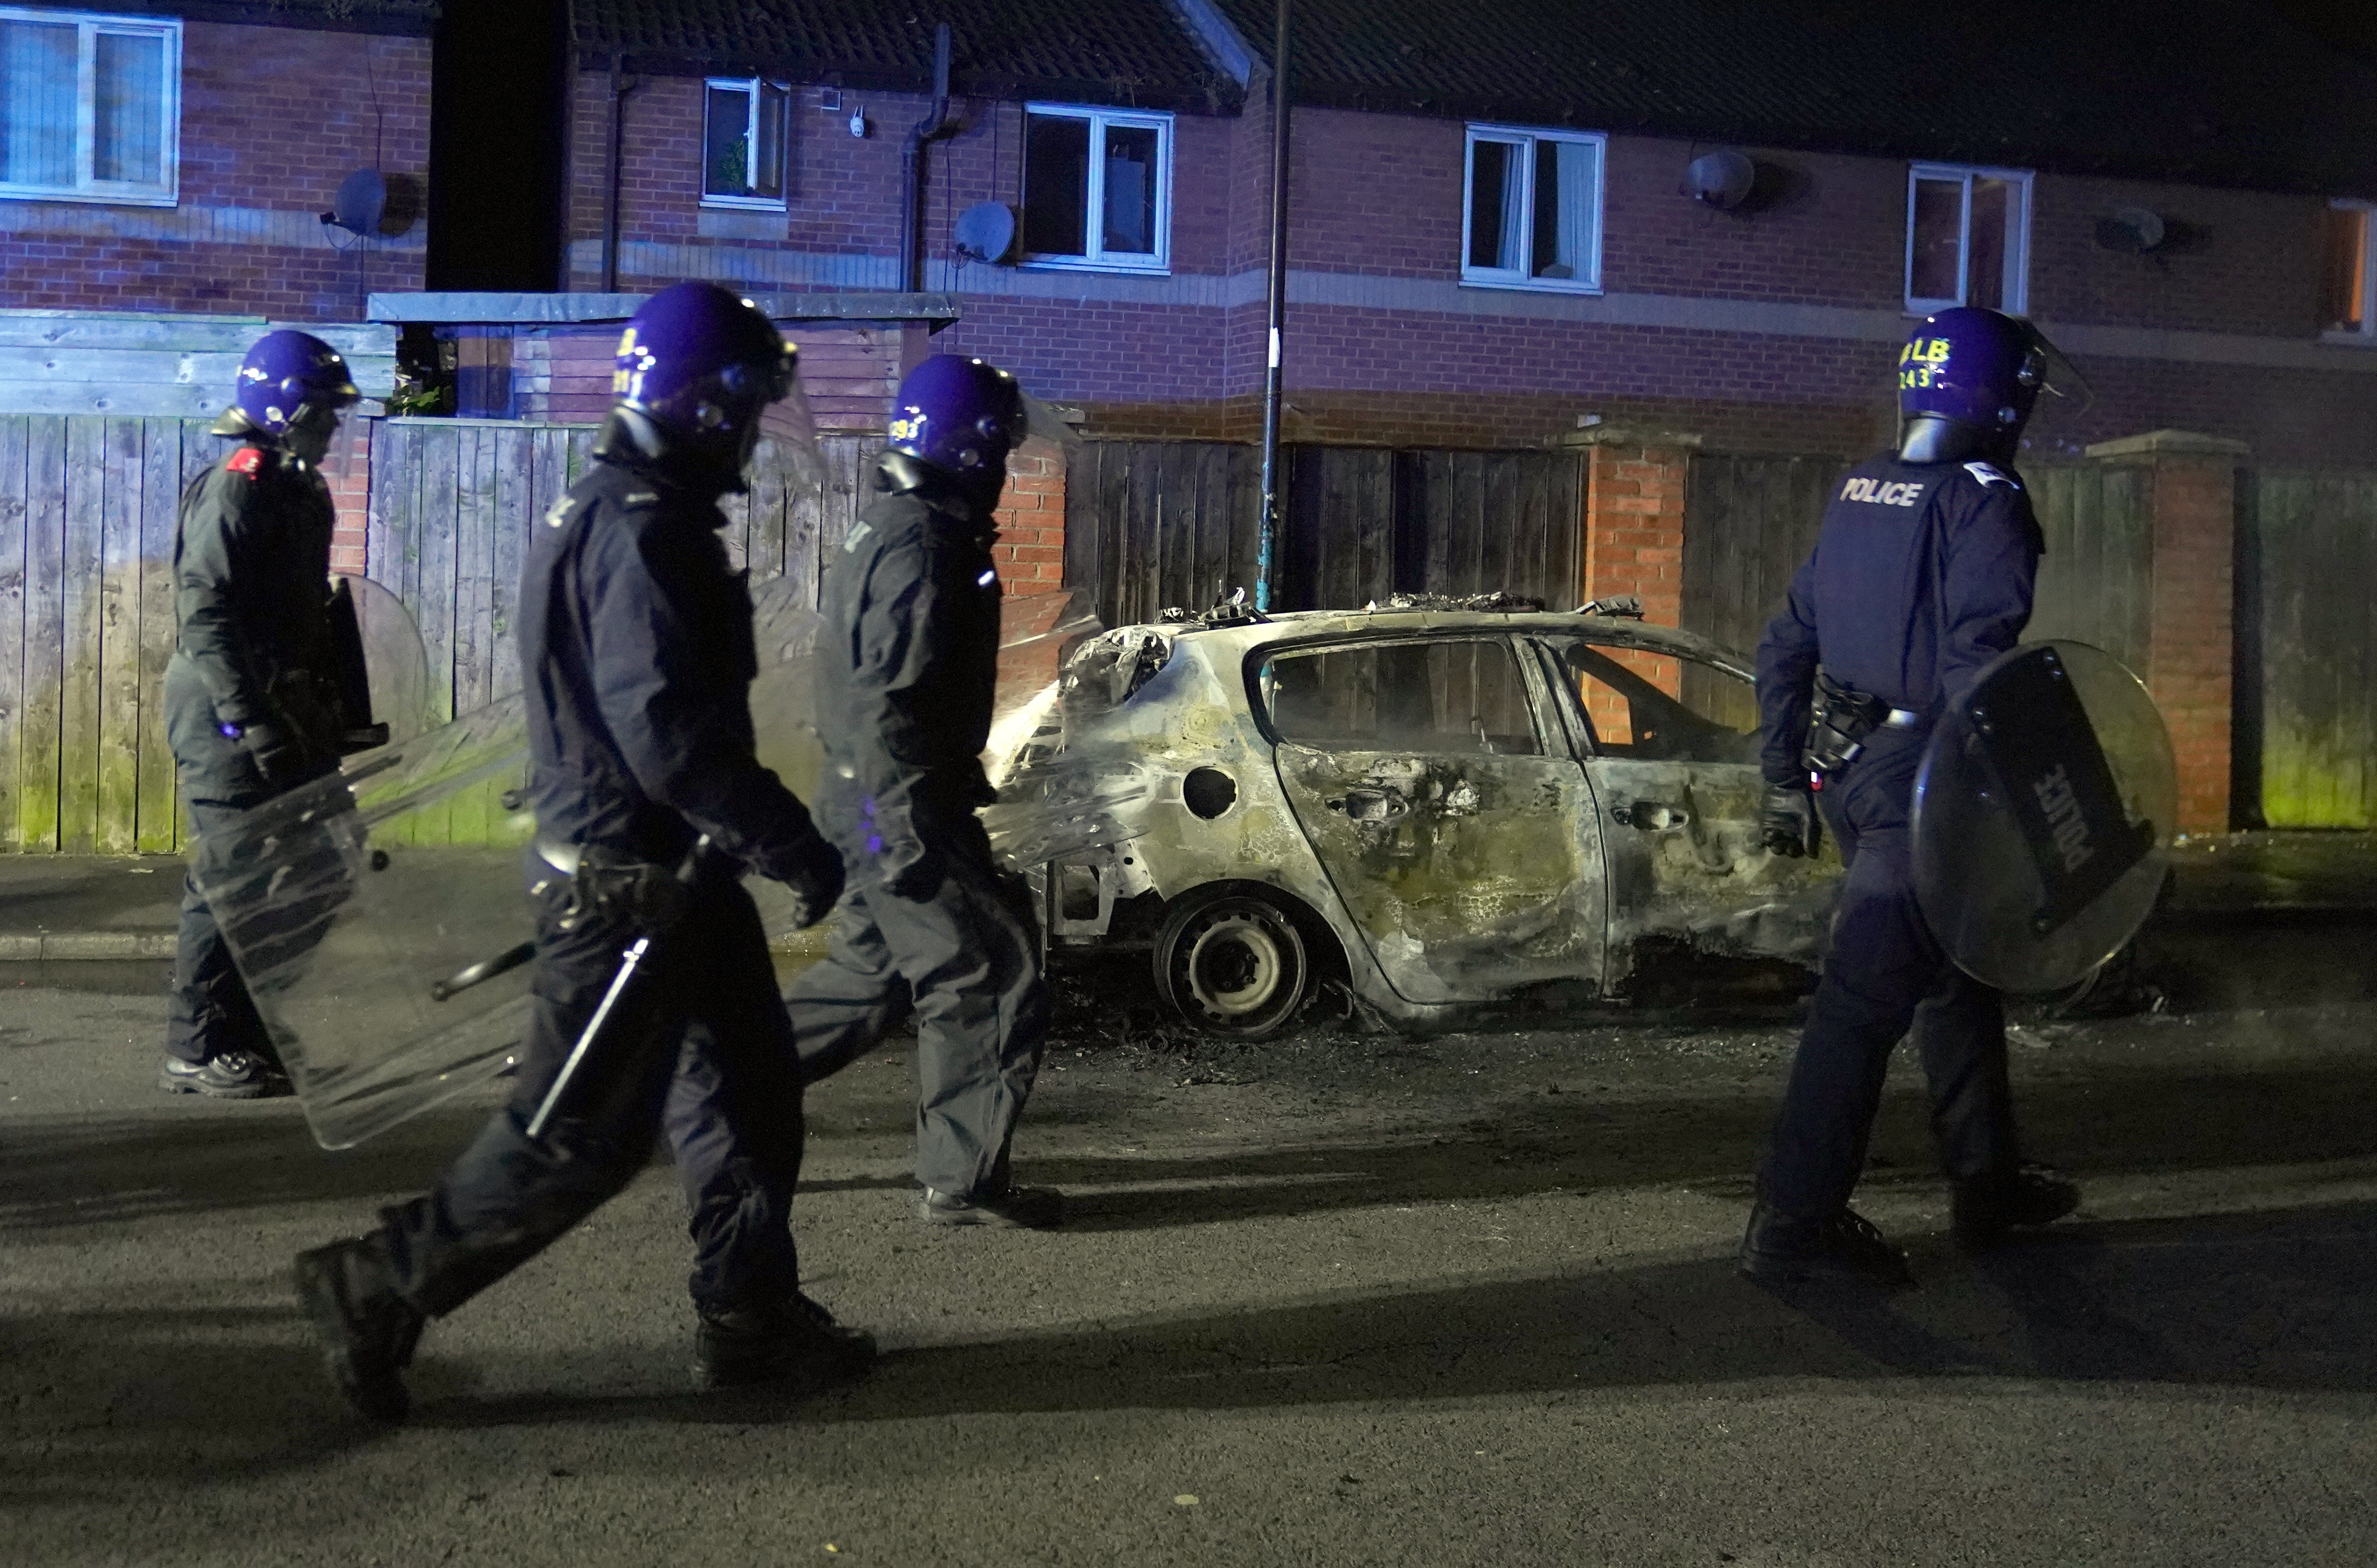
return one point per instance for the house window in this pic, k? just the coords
(89, 107)
(1531, 209)
(2348, 284)
(1097, 188)
(743, 142)
(1968, 238)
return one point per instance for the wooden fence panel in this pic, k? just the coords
(45, 622)
(2307, 621)
(13, 518)
(2095, 582)
(1156, 524)
(1749, 521)
(116, 829)
(156, 808)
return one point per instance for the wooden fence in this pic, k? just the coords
(87, 512)
(1155, 524)
(453, 501)
(2306, 674)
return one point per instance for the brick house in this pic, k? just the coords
(2025, 168)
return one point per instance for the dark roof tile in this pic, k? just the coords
(1129, 52)
(2196, 90)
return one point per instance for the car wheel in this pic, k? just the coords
(1234, 962)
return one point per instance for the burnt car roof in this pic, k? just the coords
(1296, 626)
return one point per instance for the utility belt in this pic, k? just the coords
(610, 884)
(1841, 719)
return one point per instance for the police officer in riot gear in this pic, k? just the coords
(251, 703)
(1921, 575)
(905, 683)
(637, 656)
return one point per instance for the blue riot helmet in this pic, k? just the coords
(1967, 381)
(703, 365)
(291, 389)
(962, 416)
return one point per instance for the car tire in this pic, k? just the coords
(1235, 962)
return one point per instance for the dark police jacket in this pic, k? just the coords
(252, 591)
(637, 660)
(907, 670)
(1921, 576)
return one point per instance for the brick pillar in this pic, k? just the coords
(1030, 548)
(1634, 530)
(2191, 634)
(347, 469)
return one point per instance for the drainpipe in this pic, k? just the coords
(620, 88)
(931, 129)
(1268, 526)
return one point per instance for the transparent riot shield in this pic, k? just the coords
(2042, 810)
(379, 918)
(396, 665)
(351, 904)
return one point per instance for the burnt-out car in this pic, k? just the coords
(1443, 809)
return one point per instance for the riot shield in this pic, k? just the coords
(396, 665)
(2042, 810)
(379, 915)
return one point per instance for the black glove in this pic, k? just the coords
(813, 872)
(275, 753)
(1787, 823)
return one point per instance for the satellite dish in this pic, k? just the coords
(2131, 229)
(361, 201)
(1722, 179)
(985, 232)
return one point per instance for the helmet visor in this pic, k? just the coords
(786, 421)
(2048, 368)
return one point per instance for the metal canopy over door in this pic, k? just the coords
(1458, 834)
(1678, 791)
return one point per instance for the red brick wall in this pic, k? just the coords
(1030, 548)
(271, 118)
(1379, 195)
(347, 468)
(1634, 544)
(2191, 635)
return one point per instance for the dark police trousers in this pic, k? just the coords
(967, 959)
(698, 1047)
(1884, 975)
(208, 1010)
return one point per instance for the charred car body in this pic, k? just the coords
(1443, 809)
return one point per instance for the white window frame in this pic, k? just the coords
(2365, 335)
(1093, 227)
(753, 98)
(1526, 136)
(114, 193)
(2017, 293)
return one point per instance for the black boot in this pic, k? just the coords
(1780, 1250)
(796, 1343)
(1985, 1207)
(368, 1331)
(1015, 1208)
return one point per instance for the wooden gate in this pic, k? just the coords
(1153, 524)
(2306, 674)
(87, 514)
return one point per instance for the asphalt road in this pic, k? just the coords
(1345, 1300)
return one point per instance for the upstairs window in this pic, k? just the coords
(89, 107)
(743, 142)
(1968, 238)
(1531, 211)
(1097, 188)
(2348, 284)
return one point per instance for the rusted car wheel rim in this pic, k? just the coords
(1236, 966)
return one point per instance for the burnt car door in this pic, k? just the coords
(1671, 750)
(1430, 778)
